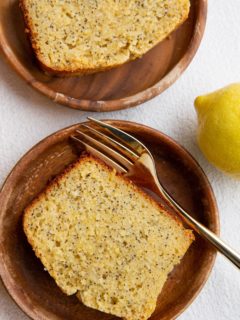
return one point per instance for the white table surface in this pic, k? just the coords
(26, 117)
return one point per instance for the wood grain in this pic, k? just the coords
(129, 85)
(22, 273)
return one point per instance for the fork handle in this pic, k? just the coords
(207, 234)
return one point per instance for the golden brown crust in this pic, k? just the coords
(66, 72)
(77, 72)
(28, 28)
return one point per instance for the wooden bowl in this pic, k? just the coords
(119, 88)
(22, 273)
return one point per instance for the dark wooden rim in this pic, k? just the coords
(4, 272)
(111, 105)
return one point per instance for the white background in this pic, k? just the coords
(26, 117)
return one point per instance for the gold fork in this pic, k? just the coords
(133, 159)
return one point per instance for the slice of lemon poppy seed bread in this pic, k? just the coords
(102, 238)
(86, 36)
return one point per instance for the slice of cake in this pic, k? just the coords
(102, 238)
(83, 36)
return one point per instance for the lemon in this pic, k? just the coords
(219, 128)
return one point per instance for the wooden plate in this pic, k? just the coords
(23, 275)
(120, 88)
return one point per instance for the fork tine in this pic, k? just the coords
(109, 151)
(101, 155)
(129, 140)
(122, 148)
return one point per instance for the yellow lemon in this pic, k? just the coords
(219, 128)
